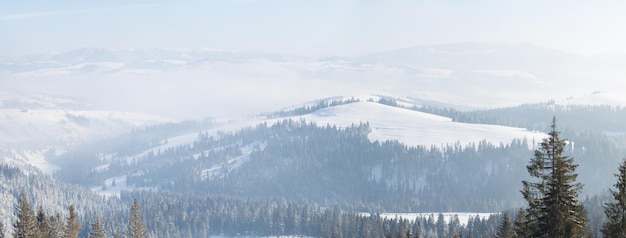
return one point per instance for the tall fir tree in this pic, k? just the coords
(73, 227)
(135, 228)
(26, 224)
(553, 208)
(615, 211)
(57, 226)
(42, 222)
(505, 230)
(97, 230)
(520, 224)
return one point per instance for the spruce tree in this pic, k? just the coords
(615, 211)
(73, 228)
(553, 208)
(505, 230)
(57, 226)
(26, 224)
(42, 222)
(97, 230)
(135, 228)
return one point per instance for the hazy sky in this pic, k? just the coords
(318, 28)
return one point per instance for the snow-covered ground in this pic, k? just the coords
(173, 142)
(32, 157)
(416, 128)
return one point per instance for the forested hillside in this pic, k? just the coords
(331, 165)
(286, 176)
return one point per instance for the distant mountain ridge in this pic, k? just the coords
(472, 75)
(90, 60)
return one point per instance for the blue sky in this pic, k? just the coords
(315, 28)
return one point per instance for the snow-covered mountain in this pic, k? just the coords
(34, 128)
(474, 75)
(116, 61)
(45, 120)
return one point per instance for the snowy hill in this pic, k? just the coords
(283, 156)
(387, 123)
(416, 128)
(56, 127)
(599, 98)
(36, 127)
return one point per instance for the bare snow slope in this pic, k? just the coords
(49, 126)
(599, 98)
(416, 128)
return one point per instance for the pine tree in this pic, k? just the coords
(42, 222)
(521, 225)
(73, 228)
(135, 228)
(57, 226)
(615, 211)
(553, 209)
(26, 224)
(505, 230)
(97, 230)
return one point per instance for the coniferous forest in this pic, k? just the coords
(296, 178)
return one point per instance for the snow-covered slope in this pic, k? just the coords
(416, 128)
(599, 98)
(35, 127)
(56, 126)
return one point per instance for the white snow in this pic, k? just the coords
(416, 128)
(34, 157)
(596, 99)
(510, 74)
(32, 126)
(120, 185)
(222, 169)
(172, 142)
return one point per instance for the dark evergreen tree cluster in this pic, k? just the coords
(29, 224)
(174, 215)
(531, 116)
